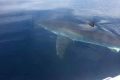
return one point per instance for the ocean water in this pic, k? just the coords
(28, 52)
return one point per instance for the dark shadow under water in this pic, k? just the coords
(28, 53)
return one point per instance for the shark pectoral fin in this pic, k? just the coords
(114, 49)
(61, 45)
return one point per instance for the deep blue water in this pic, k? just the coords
(28, 53)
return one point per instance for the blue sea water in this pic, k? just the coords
(28, 52)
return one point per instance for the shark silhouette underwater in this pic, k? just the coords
(97, 30)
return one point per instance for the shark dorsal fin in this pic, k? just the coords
(61, 45)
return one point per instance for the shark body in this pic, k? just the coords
(94, 30)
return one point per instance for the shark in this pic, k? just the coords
(97, 30)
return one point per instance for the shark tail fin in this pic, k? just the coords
(61, 45)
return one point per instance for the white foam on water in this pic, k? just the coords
(113, 78)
